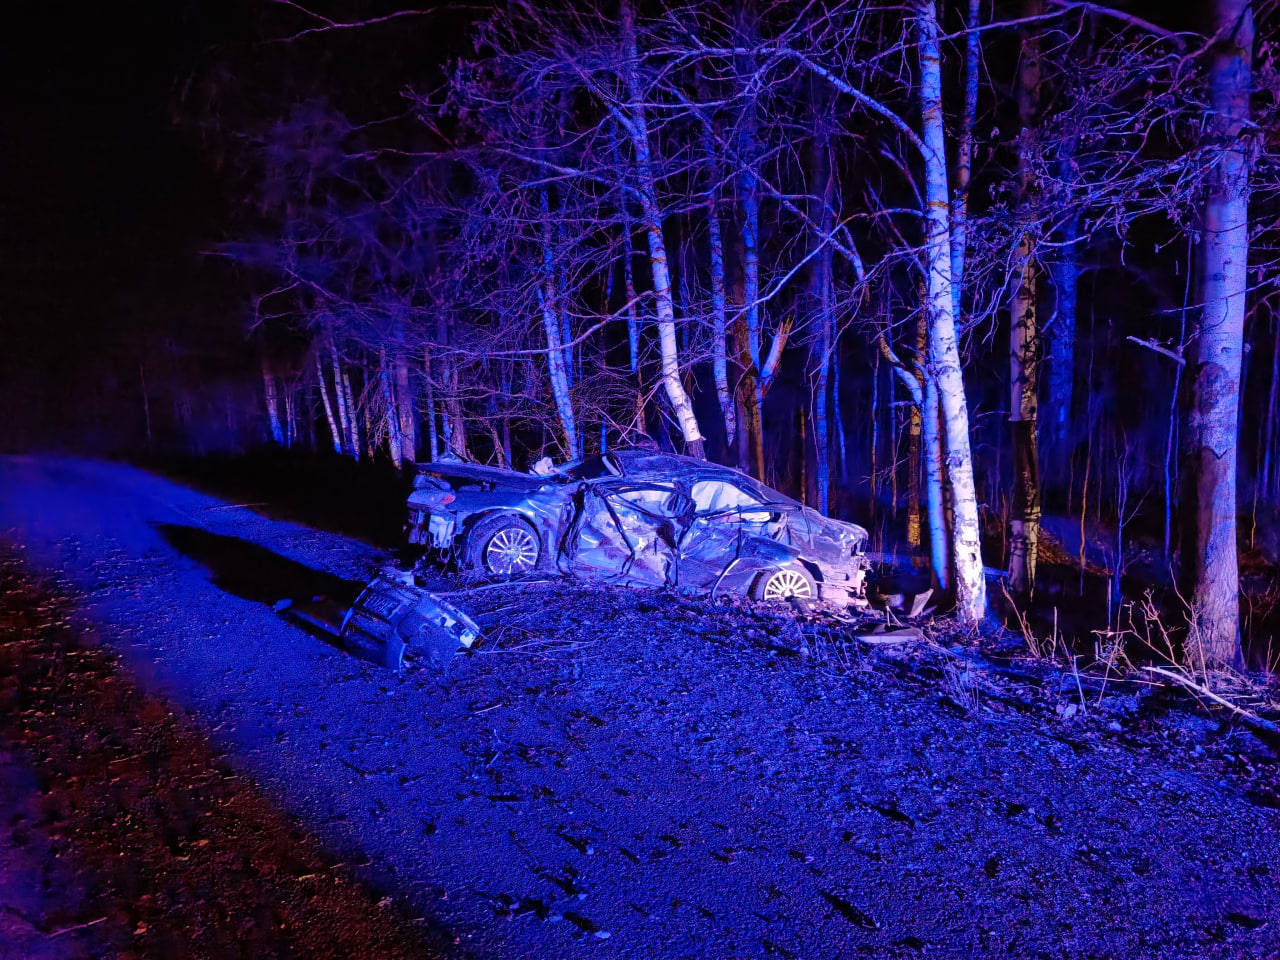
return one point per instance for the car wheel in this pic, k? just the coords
(785, 583)
(504, 546)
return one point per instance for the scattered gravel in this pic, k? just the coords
(613, 773)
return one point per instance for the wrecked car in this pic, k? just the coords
(640, 518)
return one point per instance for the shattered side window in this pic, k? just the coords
(717, 496)
(655, 499)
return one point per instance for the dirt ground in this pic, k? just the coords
(612, 773)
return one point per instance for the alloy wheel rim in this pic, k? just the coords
(512, 550)
(785, 584)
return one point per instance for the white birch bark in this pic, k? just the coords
(556, 368)
(334, 433)
(944, 349)
(349, 404)
(964, 159)
(651, 220)
(557, 355)
(346, 415)
(935, 502)
(1210, 553)
(719, 325)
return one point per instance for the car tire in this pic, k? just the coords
(504, 546)
(785, 583)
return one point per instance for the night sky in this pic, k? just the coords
(106, 200)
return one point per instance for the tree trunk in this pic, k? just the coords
(334, 433)
(628, 272)
(719, 309)
(433, 430)
(1024, 349)
(749, 398)
(290, 419)
(349, 403)
(392, 413)
(822, 187)
(407, 411)
(651, 220)
(964, 160)
(1209, 554)
(935, 481)
(556, 363)
(914, 462)
(346, 413)
(1056, 424)
(749, 200)
(273, 405)
(944, 349)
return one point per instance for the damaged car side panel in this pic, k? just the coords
(639, 518)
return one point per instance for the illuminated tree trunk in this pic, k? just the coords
(964, 160)
(334, 433)
(1209, 552)
(346, 410)
(1024, 519)
(556, 354)
(823, 187)
(944, 349)
(719, 301)
(651, 220)
(1056, 421)
(273, 405)
(749, 199)
(407, 411)
(349, 404)
(1024, 348)
(392, 415)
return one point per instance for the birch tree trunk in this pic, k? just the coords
(557, 363)
(822, 187)
(1024, 518)
(1209, 551)
(651, 220)
(719, 309)
(944, 350)
(334, 433)
(273, 405)
(349, 402)
(346, 415)
(290, 418)
(964, 160)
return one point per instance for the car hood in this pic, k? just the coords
(813, 526)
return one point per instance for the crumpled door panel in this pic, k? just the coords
(627, 532)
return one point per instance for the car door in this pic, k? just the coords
(725, 517)
(628, 531)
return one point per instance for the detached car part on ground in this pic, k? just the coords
(390, 616)
(640, 518)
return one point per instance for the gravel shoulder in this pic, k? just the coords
(612, 774)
